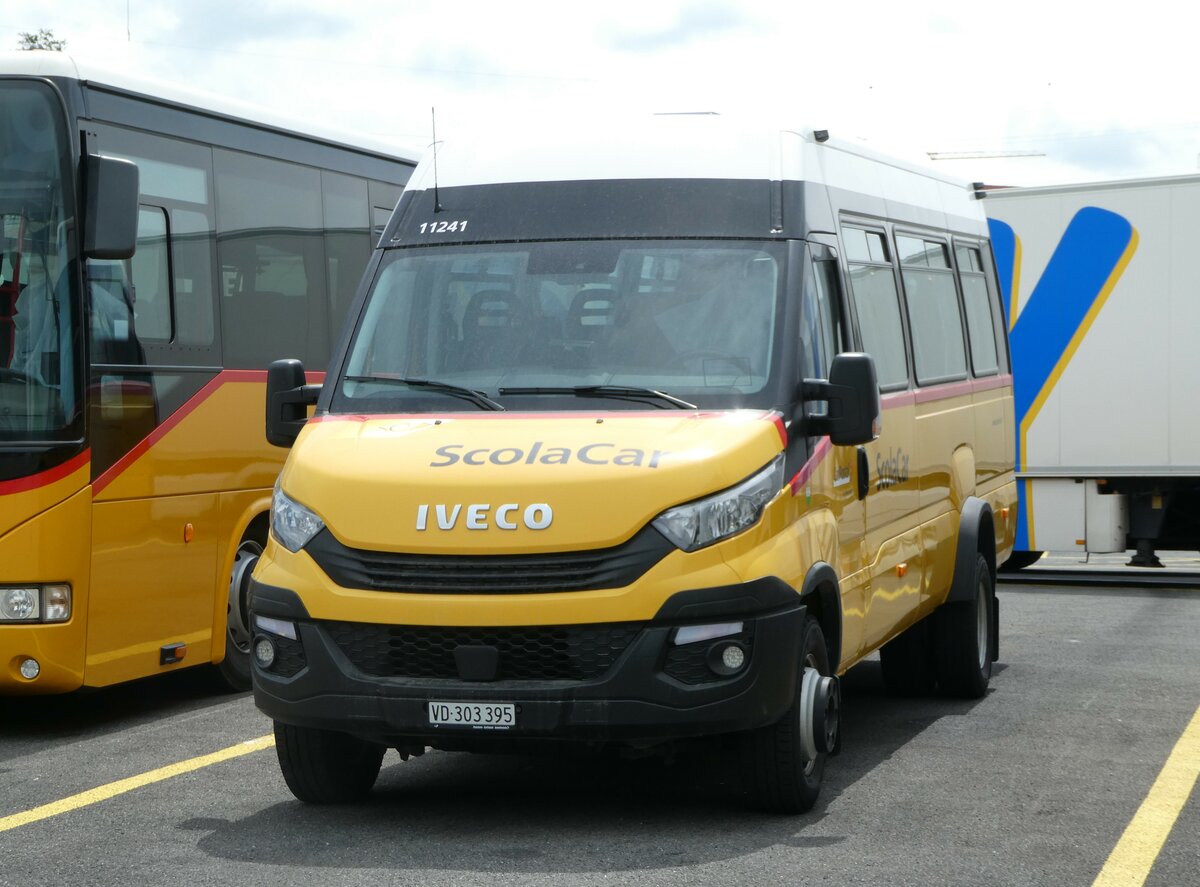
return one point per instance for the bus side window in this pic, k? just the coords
(151, 277)
(933, 310)
(270, 243)
(877, 304)
(820, 320)
(981, 324)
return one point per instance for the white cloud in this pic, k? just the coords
(1098, 91)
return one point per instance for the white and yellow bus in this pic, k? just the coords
(157, 252)
(638, 435)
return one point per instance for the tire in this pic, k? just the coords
(1019, 560)
(963, 632)
(324, 767)
(909, 668)
(233, 671)
(775, 771)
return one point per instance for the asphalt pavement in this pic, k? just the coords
(1035, 784)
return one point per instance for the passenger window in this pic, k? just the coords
(980, 329)
(925, 253)
(272, 254)
(151, 276)
(873, 288)
(939, 353)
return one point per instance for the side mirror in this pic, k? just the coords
(288, 400)
(852, 393)
(110, 225)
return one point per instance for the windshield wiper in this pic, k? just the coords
(476, 397)
(629, 392)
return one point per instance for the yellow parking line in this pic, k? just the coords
(104, 792)
(1131, 860)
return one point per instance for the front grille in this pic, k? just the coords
(489, 574)
(527, 653)
(289, 657)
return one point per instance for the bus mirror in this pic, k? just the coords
(852, 393)
(288, 400)
(110, 223)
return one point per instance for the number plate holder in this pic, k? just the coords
(474, 715)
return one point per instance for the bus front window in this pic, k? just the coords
(695, 319)
(39, 342)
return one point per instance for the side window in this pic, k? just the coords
(939, 352)
(877, 303)
(152, 277)
(170, 276)
(270, 246)
(820, 321)
(980, 329)
(347, 239)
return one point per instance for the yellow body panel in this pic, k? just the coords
(147, 548)
(44, 549)
(375, 482)
(604, 477)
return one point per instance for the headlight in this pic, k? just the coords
(291, 523)
(710, 520)
(37, 603)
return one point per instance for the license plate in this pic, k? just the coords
(480, 715)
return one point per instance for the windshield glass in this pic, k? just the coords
(39, 396)
(694, 319)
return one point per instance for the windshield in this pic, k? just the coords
(39, 395)
(528, 324)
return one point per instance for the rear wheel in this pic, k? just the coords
(234, 669)
(782, 764)
(1019, 560)
(325, 767)
(963, 631)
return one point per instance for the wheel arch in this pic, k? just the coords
(976, 535)
(820, 595)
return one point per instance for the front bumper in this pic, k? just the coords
(648, 691)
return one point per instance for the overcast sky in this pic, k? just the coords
(1097, 91)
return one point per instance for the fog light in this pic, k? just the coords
(30, 669)
(19, 604)
(727, 657)
(264, 652)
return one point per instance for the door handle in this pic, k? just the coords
(864, 473)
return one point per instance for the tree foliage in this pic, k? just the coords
(42, 39)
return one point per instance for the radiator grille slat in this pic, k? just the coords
(488, 574)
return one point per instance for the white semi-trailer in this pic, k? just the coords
(1102, 285)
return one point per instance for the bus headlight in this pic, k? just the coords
(724, 514)
(20, 605)
(35, 603)
(291, 523)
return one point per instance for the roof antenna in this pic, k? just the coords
(437, 200)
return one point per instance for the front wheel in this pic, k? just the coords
(782, 763)
(963, 631)
(325, 767)
(234, 669)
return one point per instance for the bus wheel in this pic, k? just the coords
(908, 663)
(963, 631)
(234, 669)
(782, 763)
(324, 767)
